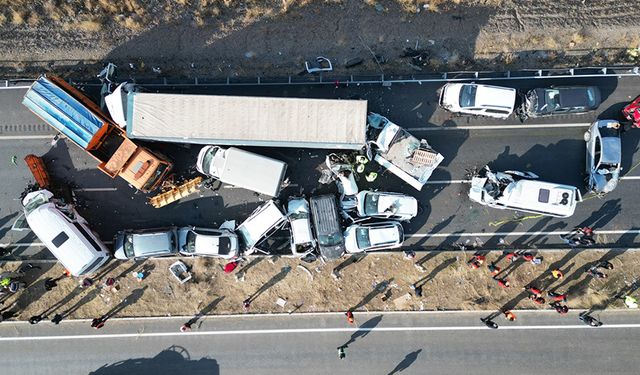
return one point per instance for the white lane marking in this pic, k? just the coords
(29, 244)
(96, 189)
(309, 330)
(489, 234)
(23, 137)
(499, 127)
(14, 87)
(630, 178)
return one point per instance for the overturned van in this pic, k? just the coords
(65, 233)
(522, 191)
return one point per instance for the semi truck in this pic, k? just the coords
(240, 120)
(73, 114)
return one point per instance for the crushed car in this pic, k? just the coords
(402, 154)
(522, 191)
(263, 222)
(478, 100)
(299, 214)
(386, 205)
(604, 156)
(543, 102)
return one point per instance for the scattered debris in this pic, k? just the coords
(281, 302)
(299, 266)
(322, 64)
(353, 62)
(180, 271)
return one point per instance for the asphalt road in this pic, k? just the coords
(553, 148)
(415, 343)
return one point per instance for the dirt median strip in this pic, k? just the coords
(369, 283)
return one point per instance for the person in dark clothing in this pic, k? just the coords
(560, 309)
(489, 323)
(97, 323)
(557, 296)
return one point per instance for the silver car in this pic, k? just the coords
(194, 241)
(604, 154)
(136, 244)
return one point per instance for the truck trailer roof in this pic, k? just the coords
(247, 121)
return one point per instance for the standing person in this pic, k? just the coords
(510, 316)
(560, 309)
(558, 296)
(593, 271)
(532, 290)
(495, 270)
(512, 256)
(589, 320)
(246, 304)
(350, 318)
(489, 323)
(185, 327)
(229, 267)
(503, 282)
(341, 351)
(97, 323)
(537, 299)
(605, 264)
(417, 289)
(557, 274)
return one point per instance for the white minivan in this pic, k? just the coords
(243, 169)
(478, 100)
(522, 191)
(65, 233)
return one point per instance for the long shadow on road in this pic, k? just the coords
(364, 329)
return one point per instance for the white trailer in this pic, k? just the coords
(246, 120)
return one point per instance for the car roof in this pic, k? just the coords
(212, 244)
(573, 96)
(531, 194)
(265, 217)
(47, 222)
(152, 242)
(495, 96)
(611, 150)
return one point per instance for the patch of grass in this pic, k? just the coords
(3, 19)
(18, 17)
(89, 26)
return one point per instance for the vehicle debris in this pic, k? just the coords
(180, 271)
(322, 64)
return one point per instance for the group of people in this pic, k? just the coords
(579, 236)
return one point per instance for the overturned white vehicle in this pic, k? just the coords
(404, 155)
(522, 191)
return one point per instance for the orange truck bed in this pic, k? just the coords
(39, 171)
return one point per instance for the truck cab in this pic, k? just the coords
(73, 114)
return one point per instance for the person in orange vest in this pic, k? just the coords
(349, 315)
(510, 316)
(535, 291)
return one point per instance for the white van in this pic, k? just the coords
(522, 191)
(65, 233)
(243, 169)
(478, 100)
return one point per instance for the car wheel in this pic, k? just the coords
(587, 136)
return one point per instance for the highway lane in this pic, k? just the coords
(556, 154)
(417, 343)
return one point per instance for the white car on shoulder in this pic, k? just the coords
(522, 191)
(374, 236)
(478, 100)
(386, 205)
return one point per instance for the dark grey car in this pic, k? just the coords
(543, 102)
(326, 223)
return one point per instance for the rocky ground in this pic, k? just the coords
(224, 38)
(373, 282)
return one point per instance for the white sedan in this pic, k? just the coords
(478, 100)
(222, 243)
(385, 205)
(374, 236)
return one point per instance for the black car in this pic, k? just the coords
(560, 100)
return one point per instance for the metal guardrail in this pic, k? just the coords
(385, 80)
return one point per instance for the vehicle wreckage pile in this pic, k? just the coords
(327, 225)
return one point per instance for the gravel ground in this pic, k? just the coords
(273, 38)
(448, 284)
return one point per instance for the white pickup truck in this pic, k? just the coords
(404, 155)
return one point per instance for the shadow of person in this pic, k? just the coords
(130, 300)
(406, 362)
(273, 281)
(364, 329)
(206, 310)
(379, 288)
